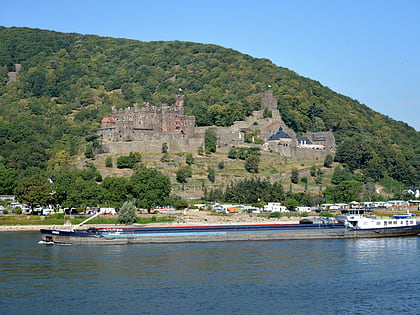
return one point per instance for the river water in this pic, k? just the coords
(370, 276)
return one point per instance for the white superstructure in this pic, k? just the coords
(358, 220)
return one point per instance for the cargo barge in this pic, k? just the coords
(219, 233)
(353, 225)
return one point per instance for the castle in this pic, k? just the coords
(145, 129)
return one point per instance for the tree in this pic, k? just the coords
(200, 150)
(116, 190)
(149, 187)
(84, 193)
(294, 177)
(210, 141)
(211, 175)
(8, 180)
(189, 159)
(345, 191)
(340, 174)
(313, 170)
(328, 161)
(108, 161)
(129, 161)
(34, 190)
(59, 162)
(165, 158)
(89, 151)
(123, 162)
(252, 163)
(164, 148)
(183, 173)
(127, 213)
(233, 153)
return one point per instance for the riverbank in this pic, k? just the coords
(180, 219)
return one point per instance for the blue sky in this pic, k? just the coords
(366, 49)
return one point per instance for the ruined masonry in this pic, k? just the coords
(145, 129)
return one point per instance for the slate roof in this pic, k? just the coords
(279, 135)
(304, 139)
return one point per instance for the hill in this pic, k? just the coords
(52, 102)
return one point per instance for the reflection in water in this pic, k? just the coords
(289, 277)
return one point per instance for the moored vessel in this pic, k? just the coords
(357, 226)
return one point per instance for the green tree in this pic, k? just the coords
(108, 161)
(165, 158)
(341, 174)
(183, 173)
(252, 163)
(328, 161)
(89, 151)
(60, 162)
(233, 153)
(33, 191)
(164, 148)
(189, 159)
(200, 150)
(313, 171)
(210, 141)
(291, 203)
(8, 180)
(149, 187)
(116, 190)
(346, 191)
(294, 177)
(129, 161)
(84, 193)
(211, 175)
(127, 213)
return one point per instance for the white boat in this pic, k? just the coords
(357, 219)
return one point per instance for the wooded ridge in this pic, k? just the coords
(52, 103)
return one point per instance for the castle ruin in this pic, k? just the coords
(145, 129)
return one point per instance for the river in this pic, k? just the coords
(365, 276)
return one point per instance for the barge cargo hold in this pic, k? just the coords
(217, 233)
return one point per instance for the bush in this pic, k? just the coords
(328, 161)
(127, 213)
(165, 158)
(189, 159)
(181, 204)
(211, 174)
(108, 161)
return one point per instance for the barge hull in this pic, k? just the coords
(220, 235)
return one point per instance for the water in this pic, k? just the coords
(371, 276)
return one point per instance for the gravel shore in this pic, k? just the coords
(187, 218)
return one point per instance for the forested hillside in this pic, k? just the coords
(68, 83)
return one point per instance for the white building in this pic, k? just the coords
(275, 207)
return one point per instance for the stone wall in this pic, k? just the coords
(146, 129)
(153, 143)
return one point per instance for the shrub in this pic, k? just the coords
(108, 161)
(127, 213)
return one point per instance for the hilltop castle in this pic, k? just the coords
(145, 129)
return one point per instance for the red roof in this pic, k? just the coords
(109, 120)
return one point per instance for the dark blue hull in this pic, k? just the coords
(133, 235)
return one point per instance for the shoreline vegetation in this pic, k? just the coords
(13, 223)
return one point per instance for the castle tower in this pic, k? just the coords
(179, 103)
(268, 101)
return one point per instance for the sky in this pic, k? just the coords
(368, 50)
